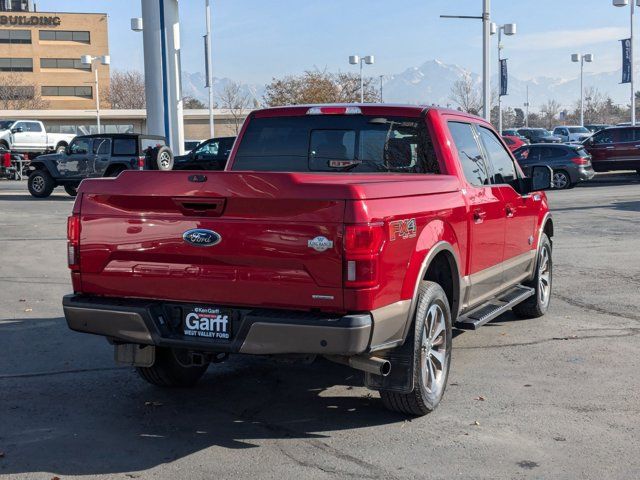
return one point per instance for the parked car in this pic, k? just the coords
(616, 148)
(571, 164)
(513, 132)
(30, 136)
(596, 127)
(539, 135)
(105, 155)
(571, 133)
(360, 233)
(211, 154)
(513, 142)
(189, 145)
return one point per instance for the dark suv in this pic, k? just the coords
(91, 156)
(616, 148)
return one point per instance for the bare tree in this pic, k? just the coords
(549, 111)
(126, 90)
(236, 101)
(16, 93)
(466, 95)
(315, 86)
(192, 103)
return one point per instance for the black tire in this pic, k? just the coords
(425, 398)
(538, 304)
(40, 184)
(561, 180)
(162, 158)
(638, 171)
(72, 190)
(169, 371)
(4, 145)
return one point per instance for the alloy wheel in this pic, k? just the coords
(560, 180)
(544, 276)
(434, 350)
(37, 183)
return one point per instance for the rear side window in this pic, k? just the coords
(523, 154)
(33, 127)
(337, 143)
(504, 170)
(146, 143)
(551, 152)
(124, 146)
(475, 170)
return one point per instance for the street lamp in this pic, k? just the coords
(624, 3)
(508, 29)
(486, 53)
(355, 60)
(104, 60)
(576, 57)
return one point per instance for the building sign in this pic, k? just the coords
(504, 77)
(29, 21)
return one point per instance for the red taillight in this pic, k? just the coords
(73, 241)
(362, 245)
(141, 161)
(581, 161)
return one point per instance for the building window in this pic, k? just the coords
(16, 65)
(65, 36)
(82, 92)
(15, 36)
(73, 63)
(12, 92)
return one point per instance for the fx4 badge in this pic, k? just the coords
(402, 229)
(320, 244)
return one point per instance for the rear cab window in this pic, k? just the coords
(337, 143)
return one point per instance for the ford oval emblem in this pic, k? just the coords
(201, 237)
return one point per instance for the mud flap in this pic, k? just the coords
(400, 379)
(135, 355)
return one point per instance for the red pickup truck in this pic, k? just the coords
(360, 233)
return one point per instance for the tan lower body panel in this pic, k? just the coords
(127, 326)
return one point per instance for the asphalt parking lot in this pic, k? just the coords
(552, 398)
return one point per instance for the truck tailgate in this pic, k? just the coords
(132, 245)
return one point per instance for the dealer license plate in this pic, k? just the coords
(207, 322)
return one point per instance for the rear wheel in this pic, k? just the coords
(162, 158)
(72, 190)
(538, 304)
(432, 354)
(561, 180)
(172, 369)
(40, 184)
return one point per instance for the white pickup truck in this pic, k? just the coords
(30, 136)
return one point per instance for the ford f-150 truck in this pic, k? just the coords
(30, 136)
(360, 233)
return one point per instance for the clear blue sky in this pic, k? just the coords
(255, 40)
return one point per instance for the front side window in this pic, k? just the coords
(210, 148)
(337, 143)
(603, 137)
(475, 170)
(80, 146)
(504, 170)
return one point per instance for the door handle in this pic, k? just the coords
(510, 211)
(479, 215)
(609, 148)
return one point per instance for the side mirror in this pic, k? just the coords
(540, 179)
(16, 130)
(541, 176)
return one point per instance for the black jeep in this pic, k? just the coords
(90, 156)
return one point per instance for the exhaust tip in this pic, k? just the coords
(385, 368)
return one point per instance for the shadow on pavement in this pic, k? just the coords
(611, 179)
(102, 422)
(622, 206)
(27, 197)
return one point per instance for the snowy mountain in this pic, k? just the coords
(430, 83)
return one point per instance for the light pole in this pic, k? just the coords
(88, 60)
(508, 29)
(624, 3)
(355, 60)
(209, 83)
(486, 54)
(576, 57)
